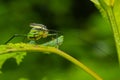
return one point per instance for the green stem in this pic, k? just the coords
(21, 47)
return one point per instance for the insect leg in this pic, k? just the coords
(55, 33)
(15, 35)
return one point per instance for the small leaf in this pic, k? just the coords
(19, 56)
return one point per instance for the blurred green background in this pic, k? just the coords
(87, 37)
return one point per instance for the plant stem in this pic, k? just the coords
(21, 47)
(78, 63)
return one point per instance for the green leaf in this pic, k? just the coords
(110, 9)
(18, 56)
(6, 56)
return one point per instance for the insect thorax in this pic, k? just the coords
(36, 34)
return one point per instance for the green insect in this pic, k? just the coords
(37, 32)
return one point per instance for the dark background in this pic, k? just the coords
(87, 37)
